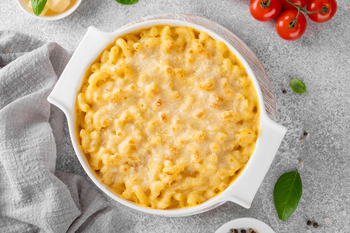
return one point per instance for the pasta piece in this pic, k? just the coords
(215, 147)
(195, 135)
(113, 55)
(82, 105)
(100, 120)
(163, 117)
(195, 198)
(180, 73)
(171, 92)
(167, 40)
(208, 85)
(140, 194)
(95, 67)
(152, 42)
(176, 124)
(89, 141)
(114, 96)
(188, 102)
(152, 90)
(229, 116)
(124, 46)
(198, 114)
(216, 101)
(227, 88)
(127, 146)
(203, 36)
(245, 137)
(173, 169)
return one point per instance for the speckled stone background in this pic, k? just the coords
(321, 58)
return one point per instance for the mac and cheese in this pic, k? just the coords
(167, 117)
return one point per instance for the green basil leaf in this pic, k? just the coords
(127, 2)
(298, 86)
(287, 193)
(38, 6)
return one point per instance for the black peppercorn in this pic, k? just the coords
(305, 134)
(309, 223)
(243, 231)
(284, 91)
(315, 224)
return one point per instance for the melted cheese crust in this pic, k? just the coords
(167, 117)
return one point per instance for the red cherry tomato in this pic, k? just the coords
(286, 5)
(257, 10)
(284, 24)
(315, 5)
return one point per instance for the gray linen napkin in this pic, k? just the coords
(33, 196)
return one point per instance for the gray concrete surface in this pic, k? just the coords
(321, 58)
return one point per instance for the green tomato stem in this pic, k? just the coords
(265, 4)
(323, 10)
(293, 23)
(297, 14)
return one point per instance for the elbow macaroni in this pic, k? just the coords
(167, 117)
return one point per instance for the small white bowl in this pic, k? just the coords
(241, 191)
(245, 223)
(23, 4)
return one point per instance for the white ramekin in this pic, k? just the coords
(24, 6)
(241, 191)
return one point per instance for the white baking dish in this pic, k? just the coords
(241, 191)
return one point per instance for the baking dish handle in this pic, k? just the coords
(243, 190)
(64, 93)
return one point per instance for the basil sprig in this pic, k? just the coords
(38, 6)
(287, 193)
(127, 2)
(298, 86)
